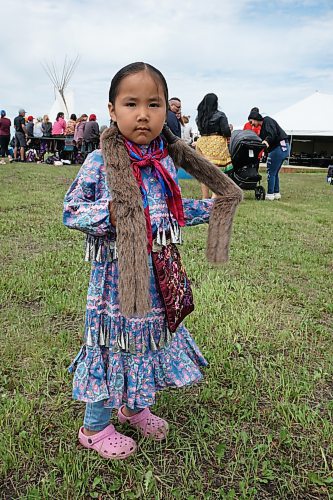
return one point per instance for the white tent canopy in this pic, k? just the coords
(313, 116)
(59, 105)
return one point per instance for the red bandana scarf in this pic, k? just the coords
(152, 158)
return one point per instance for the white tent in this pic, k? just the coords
(313, 116)
(64, 99)
(59, 105)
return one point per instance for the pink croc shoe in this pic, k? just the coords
(109, 443)
(147, 423)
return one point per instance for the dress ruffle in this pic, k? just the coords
(123, 378)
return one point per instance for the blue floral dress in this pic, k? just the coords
(125, 360)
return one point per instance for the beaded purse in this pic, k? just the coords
(174, 285)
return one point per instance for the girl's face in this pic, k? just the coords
(139, 108)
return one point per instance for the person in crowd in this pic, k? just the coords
(46, 143)
(70, 127)
(37, 142)
(186, 130)
(5, 125)
(21, 135)
(30, 126)
(59, 126)
(248, 125)
(38, 132)
(58, 131)
(79, 129)
(214, 132)
(129, 191)
(91, 134)
(256, 130)
(277, 142)
(46, 126)
(174, 116)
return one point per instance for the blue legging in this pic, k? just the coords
(97, 416)
(274, 162)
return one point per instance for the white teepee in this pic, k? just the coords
(64, 98)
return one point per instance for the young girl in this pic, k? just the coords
(128, 202)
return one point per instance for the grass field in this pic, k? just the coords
(259, 426)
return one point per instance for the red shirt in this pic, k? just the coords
(256, 130)
(5, 124)
(248, 126)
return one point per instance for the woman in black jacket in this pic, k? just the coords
(277, 142)
(214, 130)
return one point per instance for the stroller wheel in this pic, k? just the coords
(259, 193)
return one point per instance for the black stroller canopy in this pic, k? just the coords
(246, 139)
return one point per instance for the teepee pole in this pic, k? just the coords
(61, 78)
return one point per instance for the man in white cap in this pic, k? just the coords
(21, 135)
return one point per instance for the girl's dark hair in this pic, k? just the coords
(132, 69)
(206, 109)
(60, 115)
(73, 117)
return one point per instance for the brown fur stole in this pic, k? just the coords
(131, 224)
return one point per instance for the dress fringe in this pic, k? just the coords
(102, 249)
(120, 334)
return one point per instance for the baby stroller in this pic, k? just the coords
(245, 147)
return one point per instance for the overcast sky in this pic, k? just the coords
(249, 52)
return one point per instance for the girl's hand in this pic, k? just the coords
(112, 214)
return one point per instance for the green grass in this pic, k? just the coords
(259, 426)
